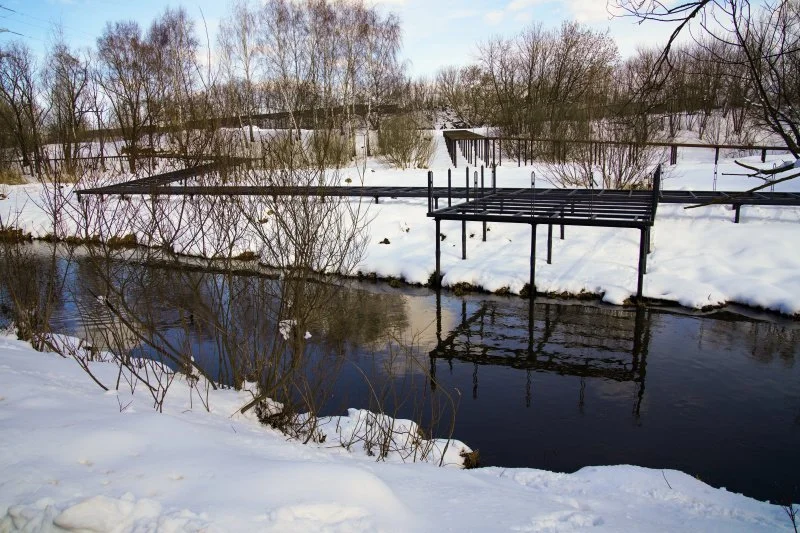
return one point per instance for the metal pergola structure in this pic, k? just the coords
(634, 209)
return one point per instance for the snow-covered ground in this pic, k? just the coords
(700, 257)
(76, 458)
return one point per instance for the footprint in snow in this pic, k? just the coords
(561, 521)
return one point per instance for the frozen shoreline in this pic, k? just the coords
(700, 258)
(72, 457)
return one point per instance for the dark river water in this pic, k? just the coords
(559, 387)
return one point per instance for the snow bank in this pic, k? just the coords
(700, 257)
(72, 459)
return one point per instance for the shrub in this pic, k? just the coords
(403, 144)
(10, 176)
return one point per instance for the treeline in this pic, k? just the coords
(334, 67)
(327, 66)
(572, 83)
(738, 73)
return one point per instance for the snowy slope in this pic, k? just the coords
(75, 458)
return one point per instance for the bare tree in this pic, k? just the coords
(68, 83)
(238, 44)
(124, 74)
(765, 41)
(180, 99)
(22, 112)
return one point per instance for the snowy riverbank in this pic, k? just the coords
(700, 257)
(82, 459)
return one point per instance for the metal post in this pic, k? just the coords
(500, 151)
(430, 190)
(463, 240)
(494, 178)
(763, 155)
(642, 266)
(738, 208)
(562, 223)
(464, 223)
(449, 188)
(673, 155)
(475, 188)
(483, 193)
(437, 278)
(467, 184)
(532, 280)
(549, 244)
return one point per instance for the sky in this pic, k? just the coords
(437, 33)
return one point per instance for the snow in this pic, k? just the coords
(700, 257)
(76, 458)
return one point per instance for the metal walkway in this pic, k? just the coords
(562, 207)
(551, 206)
(162, 185)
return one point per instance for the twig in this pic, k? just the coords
(665, 479)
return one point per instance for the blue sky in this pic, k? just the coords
(436, 32)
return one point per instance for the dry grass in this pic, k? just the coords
(11, 177)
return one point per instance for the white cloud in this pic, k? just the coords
(463, 14)
(494, 17)
(587, 10)
(519, 5)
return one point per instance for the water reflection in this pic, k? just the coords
(580, 341)
(558, 385)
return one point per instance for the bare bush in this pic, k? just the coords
(403, 144)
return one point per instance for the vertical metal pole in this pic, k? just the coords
(430, 190)
(464, 222)
(467, 184)
(763, 155)
(549, 244)
(494, 178)
(475, 188)
(532, 280)
(449, 189)
(642, 266)
(500, 151)
(562, 223)
(738, 208)
(438, 277)
(463, 240)
(483, 193)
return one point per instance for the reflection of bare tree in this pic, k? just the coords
(765, 341)
(363, 318)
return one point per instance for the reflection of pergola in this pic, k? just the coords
(563, 339)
